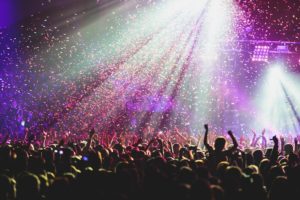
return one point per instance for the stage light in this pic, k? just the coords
(22, 123)
(277, 100)
(276, 71)
(261, 53)
(209, 56)
(282, 49)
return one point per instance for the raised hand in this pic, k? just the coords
(176, 130)
(296, 144)
(281, 139)
(235, 144)
(275, 139)
(92, 132)
(44, 135)
(206, 126)
(254, 133)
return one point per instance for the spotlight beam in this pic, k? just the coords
(166, 115)
(101, 78)
(147, 117)
(290, 103)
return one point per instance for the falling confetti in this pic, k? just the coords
(116, 64)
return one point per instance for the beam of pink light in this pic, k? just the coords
(95, 83)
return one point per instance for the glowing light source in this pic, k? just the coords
(277, 101)
(276, 71)
(22, 123)
(282, 49)
(261, 53)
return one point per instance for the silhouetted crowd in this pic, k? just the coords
(162, 165)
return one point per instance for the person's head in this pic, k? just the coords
(168, 154)
(268, 153)
(199, 163)
(221, 168)
(183, 152)
(279, 189)
(274, 172)
(203, 173)
(48, 155)
(257, 156)
(28, 187)
(220, 143)
(288, 148)
(186, 175)
(293, 159)
(21, 160)
(232, 178)
(176, 148)
(7, 188)
(199, 155)
(5, 157)
(181, 191)
(59, 189)
(35, 165)
(119, 147)
(249, 158)
(93, 159)
(201, 190)
(254, 168)
(258, 180)
(264, 166)
(218, 192)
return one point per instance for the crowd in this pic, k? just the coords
(56, 68)
(155, 165)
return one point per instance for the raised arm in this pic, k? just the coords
(296, 145)
(264, 140)
(207, 146)
(180, 135)
(88, 145)
(254, 141)
(235, 144)
(275, 153)
(44, 138)
(161, 145)
(198, 141)
(171, 146)
(282, 144)
(151, 142)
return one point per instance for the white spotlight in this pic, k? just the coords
(276, 71)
